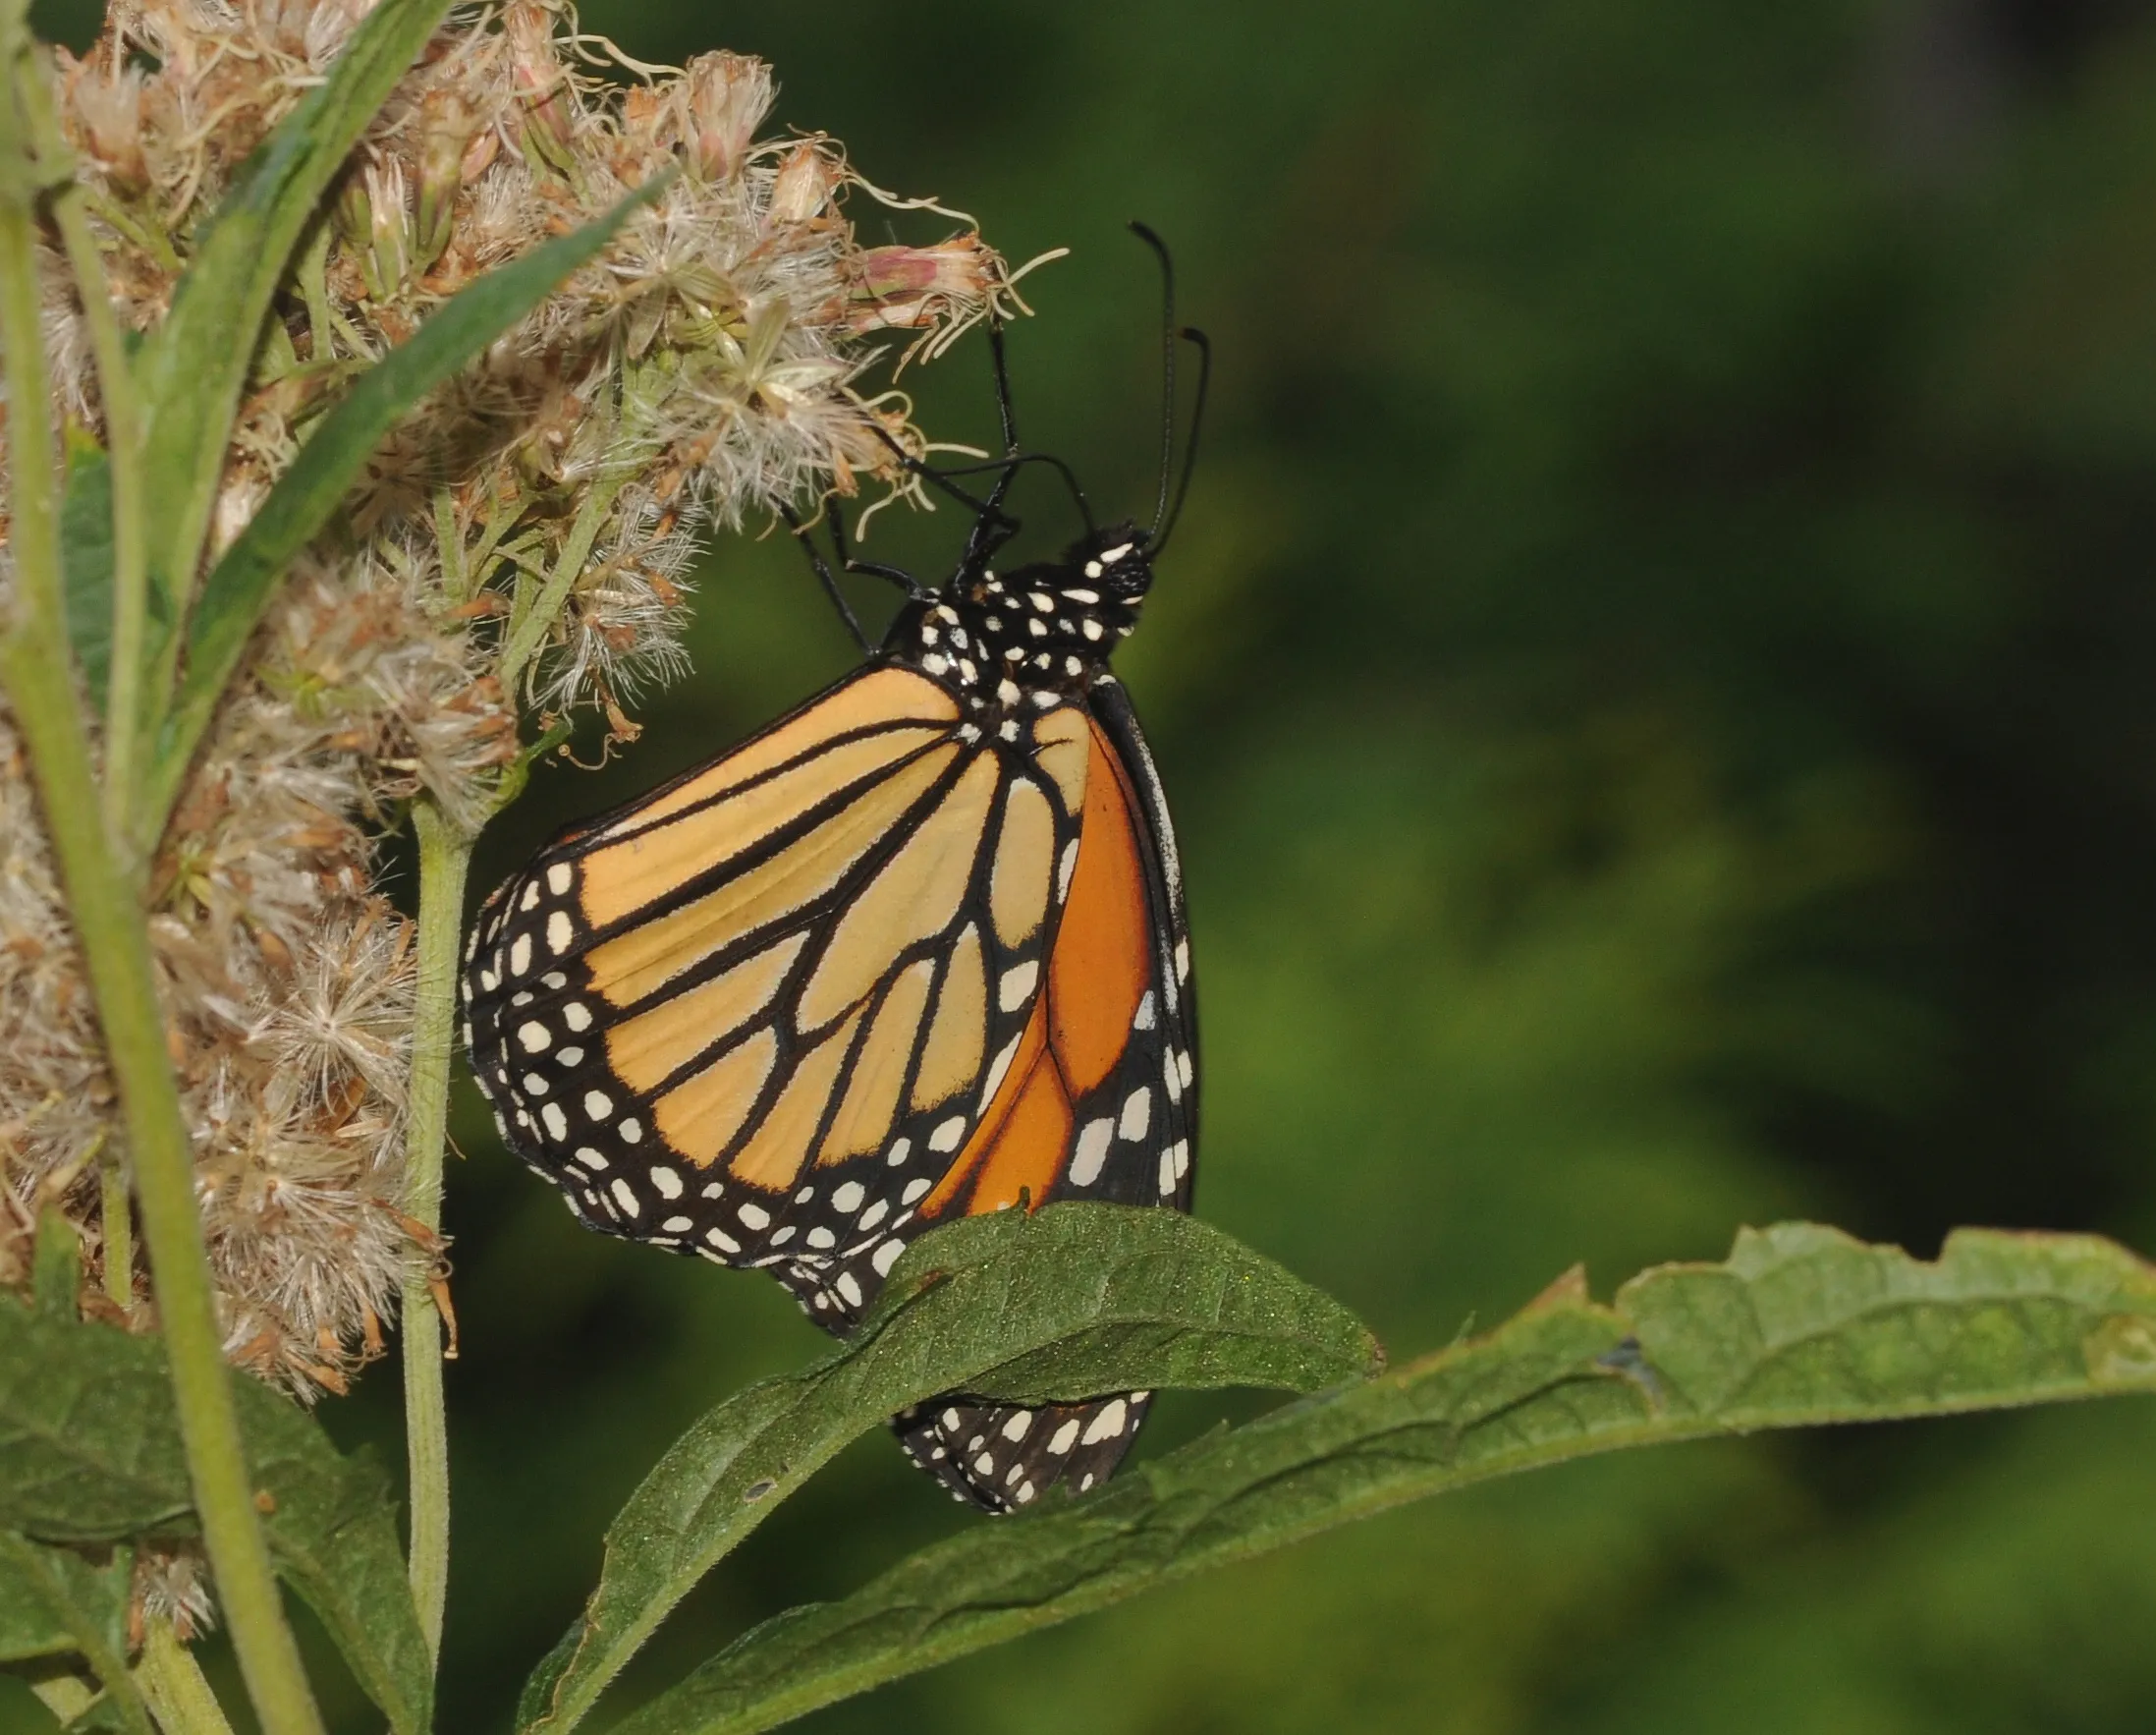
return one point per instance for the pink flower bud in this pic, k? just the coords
(808, 177)
(724, 98)
(111, 111)
(445, 130)
(909, 287)
(543, 89)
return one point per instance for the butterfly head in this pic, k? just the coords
(1117, 563)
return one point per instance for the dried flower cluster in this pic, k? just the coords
(518, 548)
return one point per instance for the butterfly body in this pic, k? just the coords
(917, 950)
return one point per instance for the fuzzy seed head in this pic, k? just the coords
(517, 550)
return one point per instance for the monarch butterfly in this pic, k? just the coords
(917, 950)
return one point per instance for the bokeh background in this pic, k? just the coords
(1655, 681)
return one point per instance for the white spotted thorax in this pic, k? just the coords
(1014, 644)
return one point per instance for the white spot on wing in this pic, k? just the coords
(999, 1066)
(1108, 1423)
(1137, 1111)
(1091, 1151)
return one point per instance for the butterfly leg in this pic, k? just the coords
(826, 576)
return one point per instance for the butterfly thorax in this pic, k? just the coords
(1016, 644)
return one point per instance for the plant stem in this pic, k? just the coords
(39, 674)
(445, 855)
(173, 1683)
(123, 439)
(115, 1219)
(528, 629)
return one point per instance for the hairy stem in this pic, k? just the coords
(445, 855)
(172, 1681)
(528, 629)
(117, 1222)
(39, 675)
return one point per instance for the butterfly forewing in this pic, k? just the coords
(759, 1013)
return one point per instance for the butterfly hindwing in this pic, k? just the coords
(1121, 1053)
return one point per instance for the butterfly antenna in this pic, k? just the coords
(1204, 344)
(1167, 368)
(1006, 411)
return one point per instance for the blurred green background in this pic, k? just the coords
(1655, 686)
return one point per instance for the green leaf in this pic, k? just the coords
(333, 1535)
(90, 1445)
(34, 1623)
(192, 369)
(1072, 1302)
(56, 1264)
(89, 1603)
(240, 585)
(90, 1452)
(86, 562)
(1802, 1325)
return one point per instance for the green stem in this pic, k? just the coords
(173, 1683)
(123, 440)
(39, 675)
(528, 629)
(116, 1218)
(145, 236)
(445, 855)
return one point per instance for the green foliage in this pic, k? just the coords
(85, 552)
(88, 1603)
(50, 1598)
(192, 369)
(1800, 1326)
(90, 1454)
(242, 584)
(1071, 1302)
